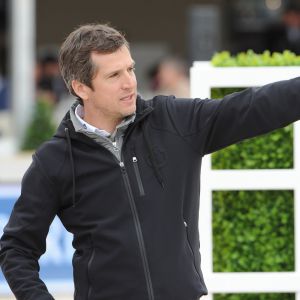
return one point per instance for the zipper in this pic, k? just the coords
(190, 247)
(138, 176)
(138, 231)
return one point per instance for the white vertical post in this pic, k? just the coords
(205, 222)
(297, 200)
(200, 86)
(205, 218)
(22, 22)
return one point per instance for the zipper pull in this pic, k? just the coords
(134, 159)
(185, 224)
(122, 166)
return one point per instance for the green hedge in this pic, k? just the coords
(254, 296)
(254, 230)
(251, 59)
(41, 127)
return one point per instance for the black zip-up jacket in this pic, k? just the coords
(135, 221)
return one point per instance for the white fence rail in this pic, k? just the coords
(203, 78)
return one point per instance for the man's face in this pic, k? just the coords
(114, 91)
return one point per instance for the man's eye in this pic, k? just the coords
(114, 75)
(132, 69)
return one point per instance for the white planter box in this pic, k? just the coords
(203, 78)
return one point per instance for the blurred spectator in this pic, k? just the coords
(4, 96)
(286, 35)
(170, 77)
(50, 84)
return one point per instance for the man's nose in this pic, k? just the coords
(129, 81)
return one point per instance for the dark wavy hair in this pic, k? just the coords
(75, 53)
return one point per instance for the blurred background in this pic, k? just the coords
(165, 38)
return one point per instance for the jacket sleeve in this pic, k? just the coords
(24, 238)
(209, 125)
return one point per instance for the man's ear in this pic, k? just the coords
(80, 89)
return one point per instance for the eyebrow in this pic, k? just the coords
(118, 70)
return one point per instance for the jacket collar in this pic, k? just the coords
(143, 108)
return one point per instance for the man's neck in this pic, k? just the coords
(99, 121)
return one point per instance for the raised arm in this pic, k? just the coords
(209, 125)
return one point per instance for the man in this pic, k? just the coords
(285, 35)
(122, 174)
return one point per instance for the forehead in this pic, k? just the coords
(112, 61)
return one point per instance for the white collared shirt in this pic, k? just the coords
(79, 113)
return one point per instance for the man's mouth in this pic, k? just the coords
(127, 98)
